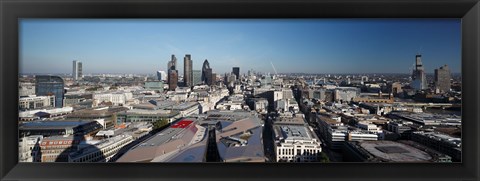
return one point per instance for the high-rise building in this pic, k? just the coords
(172, 80)
(187, 70)
(50, 85)
(172, 74)
(77, 70)
(419, 80)
(214, 79)
(442, 79)
(172, 64)
(236, 71)
(207, 73)
(196, 77)
(205, 66)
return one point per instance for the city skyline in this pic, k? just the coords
(293, 46)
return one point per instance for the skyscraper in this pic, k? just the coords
(50, 85)
(77, 70)
(442, 79)
(172, 64)
(187, 70)
(172, 80)
(172, 73)
(197, 77)
(419, 80)
(205, 66)
(236, 71)
(208, 76)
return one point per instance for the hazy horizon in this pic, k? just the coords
(314, 46)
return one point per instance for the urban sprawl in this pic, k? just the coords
(202, 116)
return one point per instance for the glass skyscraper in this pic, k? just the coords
(50, 85)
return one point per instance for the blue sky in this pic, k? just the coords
(293, 45)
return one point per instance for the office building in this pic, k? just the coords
(116, 98)
(419, 80)
(77, 70)
(59, 128)
(172, 64)
(26, 89)
(57, 148)
(196, 77)
(29, 148)
(50, 85)
(208, 76)
(236, 71)
(295, 141)
(101, 151)
(345, 93)
(187, 71)
(213, 79)
(36, 102)
(441, 142)
(154, 85)
(172, 79)
(205, 67)
(172, 73)
(442, 79)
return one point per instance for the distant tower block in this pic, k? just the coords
(77, 70)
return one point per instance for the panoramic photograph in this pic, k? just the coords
(240, 90)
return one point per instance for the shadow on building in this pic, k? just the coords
(79, 150)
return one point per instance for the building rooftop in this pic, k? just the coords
(52, 124)
(389, 151)
(240, 140)
(169, 143)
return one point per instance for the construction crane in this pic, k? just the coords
(274, 68)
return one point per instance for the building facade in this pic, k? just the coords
(50, 85)
(77, 70)
(236, 71)
(196, 77)
(442, 79)
(187, 70)
(36, 102)
(419, 80)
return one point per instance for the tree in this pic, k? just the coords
(160, 123)
(323, 158)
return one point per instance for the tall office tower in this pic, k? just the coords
(187, 70)
(205, 66)
(172, 80)
(161, 75)
(208, 76)
(419, 80)
(442, 79)
(236, 71)
(172, 73)
(213, 79)
(172, 64)
(50, 85)
(77, 70)
(196, 77)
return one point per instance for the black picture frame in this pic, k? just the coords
(12, 10)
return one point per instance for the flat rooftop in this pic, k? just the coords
(394, 151)
(52, 124)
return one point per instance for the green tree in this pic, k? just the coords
(160, 123)
(323, 158)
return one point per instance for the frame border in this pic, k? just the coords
(12, 10)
